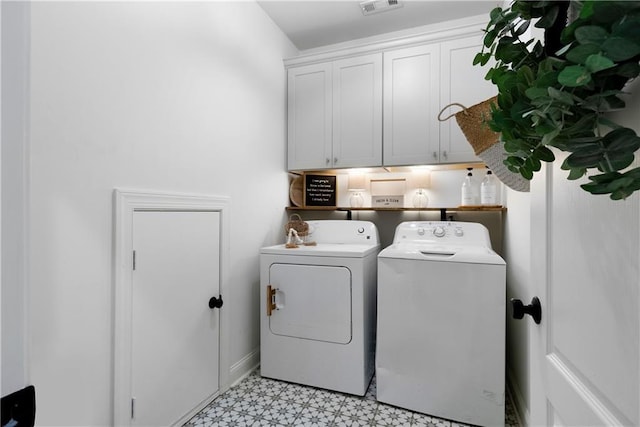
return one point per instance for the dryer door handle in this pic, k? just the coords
(271, 300)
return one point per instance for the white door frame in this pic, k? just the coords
(125, 203)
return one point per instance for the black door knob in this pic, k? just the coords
(216, 302)
(534, 309)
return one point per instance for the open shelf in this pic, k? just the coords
(443, 210)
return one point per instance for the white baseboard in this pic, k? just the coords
(242, 368)
(521, 407)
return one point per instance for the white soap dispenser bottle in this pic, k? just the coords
(467, 189)
(489, 190)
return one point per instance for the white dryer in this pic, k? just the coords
(318, 308)
(441, 322)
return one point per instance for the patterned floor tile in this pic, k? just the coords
(391, 416)
(421, 420)
(326, 400)
(314, 417)
(258, 401)
(361, 409)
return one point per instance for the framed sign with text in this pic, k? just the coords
(320, 190)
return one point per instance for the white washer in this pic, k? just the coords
(317, 315)
(441, 322)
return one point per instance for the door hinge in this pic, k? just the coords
(133, 407)
(134, 260)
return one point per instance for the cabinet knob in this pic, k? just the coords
(444, 154)
(335, 160)
(435, 155)
(216, 302)
(328, 160)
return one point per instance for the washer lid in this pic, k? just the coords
(324, 250)
(442, 253)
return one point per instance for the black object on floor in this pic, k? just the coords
(19, 408)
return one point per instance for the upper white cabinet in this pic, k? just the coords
(309, 116)
(418, 82)
(335, 114)
(411, 104)
(343, 114)
(463, 83)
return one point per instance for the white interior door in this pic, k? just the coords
(585, 353)
(175, 335)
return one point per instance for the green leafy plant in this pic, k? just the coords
(555, 92)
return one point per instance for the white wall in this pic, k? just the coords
(517, 252)
(181, 97)
(15, 54)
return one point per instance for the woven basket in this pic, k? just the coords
(486, 143)
(472, 122)
(296, 222)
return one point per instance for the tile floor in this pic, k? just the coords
(258, 401)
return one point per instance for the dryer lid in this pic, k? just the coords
(325, 250)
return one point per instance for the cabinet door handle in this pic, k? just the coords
(444, 154)
(328, 160)
(435, 155)
(335, 160)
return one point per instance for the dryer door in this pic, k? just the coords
(312, 302)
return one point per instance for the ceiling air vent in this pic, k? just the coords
(376, 6)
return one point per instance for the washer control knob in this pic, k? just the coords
(459, 232)
(360, 230)
(421, 231)
(439, 231)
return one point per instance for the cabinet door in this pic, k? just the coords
(357, 111)
(464, 83)
(309, 117)
(411, 101)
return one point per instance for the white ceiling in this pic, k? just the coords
(314, 23)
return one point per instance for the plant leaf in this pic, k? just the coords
(621, 139)
(544, 154)
(591, 34)
(481, 58)
(536, 92)
(597, 62)
(619, 49)
(533, 164)
(526, 173)
(581, 52)
(522, 28)
(574, 76)
(549, 18)
(616, 161)
(490, 37)
(595, 188)
(576, 173)
(628, 29)
(587, 157)
(629, 70)
(560, 96)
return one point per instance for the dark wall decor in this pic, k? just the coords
(320, 190)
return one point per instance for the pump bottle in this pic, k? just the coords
(489, 190)
(467, 189)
